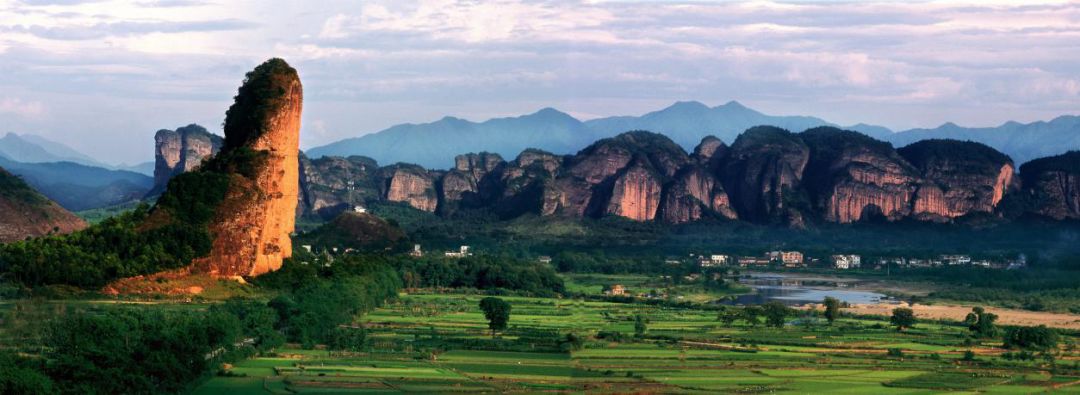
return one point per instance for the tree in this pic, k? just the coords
(751, 314)
(1038, 338)
(902, 317)
(832, 309)
(497, 312)
(347, 338)
(640, 326)
(981, 322)
(775, 314)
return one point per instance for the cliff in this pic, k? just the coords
(763, 174)
(960, 178)
(1052, 185)
(26, 213)
(411, 184)
(850, 175)
(181, 150)
(252, 225)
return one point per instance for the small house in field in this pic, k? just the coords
(544, 259)
(616, 290)
(460, 253)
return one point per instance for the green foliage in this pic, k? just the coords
(497, 312)
(19, 376)
(751, 315)
(15, 189)
(347, 338)
(481, 272)
(640, 325)
(1038, 338)
(832, 309)
(902, 317)
(262, 93)
(136, 351)
(981, 322)
(113, 249)
(775, 313)
(895, 352)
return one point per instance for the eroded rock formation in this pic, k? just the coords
(1052, 185)
(413, 185)
(960, 178)
(181, 150)
(262, 134)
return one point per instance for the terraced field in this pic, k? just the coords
(440, 344)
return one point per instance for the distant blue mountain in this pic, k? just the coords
(80, 187)
(1022, 142)
(435, 144)
(29, 148)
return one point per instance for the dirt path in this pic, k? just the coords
(958, 313)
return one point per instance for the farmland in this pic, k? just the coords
(436, 343)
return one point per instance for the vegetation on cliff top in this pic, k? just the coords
(263, 92)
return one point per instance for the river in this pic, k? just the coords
(795, 290)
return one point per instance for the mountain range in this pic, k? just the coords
(434, 145)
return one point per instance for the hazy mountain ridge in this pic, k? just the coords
(80, 187)
(435, 144)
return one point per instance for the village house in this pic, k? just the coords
(544, 259)
(416, 252)
(714, 260)
(956, 259)
(460, 253)
(788, 258)
(846, 261)
(615, 290)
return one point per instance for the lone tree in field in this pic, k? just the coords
(640, 325)
(751, 314)
(981, 322)
(497, 312)
(1037, 338)
(902, 317)
(775, 314)
(832, 309)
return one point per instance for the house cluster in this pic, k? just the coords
(953, 260)
(462, 252)
(786, 258)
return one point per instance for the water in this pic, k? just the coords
(794, 291)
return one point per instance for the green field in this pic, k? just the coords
(426, 343)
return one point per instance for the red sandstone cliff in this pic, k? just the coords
(413, 185)
(960, 178)
(252, 226)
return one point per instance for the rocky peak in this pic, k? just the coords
(478, 165)
(251, 232)
(181, 150)
(763, 174)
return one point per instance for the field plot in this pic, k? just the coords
(429, 343)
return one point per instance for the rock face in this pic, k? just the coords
(768, 175)
(181, 150)
(851, 175)
(331, 185)
(26, 213)
(252, 227)
(470, 183)
(413, 185)
(1052, 185)
(763, 173)
(960, 178)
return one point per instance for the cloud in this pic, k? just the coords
(21, 108)
(368, 65)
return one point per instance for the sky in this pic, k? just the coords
(103, 76)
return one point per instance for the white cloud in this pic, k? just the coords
(21, 108)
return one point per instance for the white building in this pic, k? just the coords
(716, 260)
(359, 209)
(460, 253)
(956, 259)
(846, 261)
(416, 251)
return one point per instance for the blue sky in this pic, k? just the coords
(103, 76)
